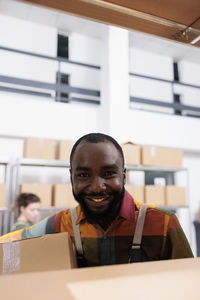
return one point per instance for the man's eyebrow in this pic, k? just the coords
(113, 166)
(80, 168)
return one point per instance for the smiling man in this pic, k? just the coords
(107, 217)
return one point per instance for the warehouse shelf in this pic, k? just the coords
(4, 211)
(17, 164)
(154, 169)
(3, 208)
(66, 164)
(42, 163)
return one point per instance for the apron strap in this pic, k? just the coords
(76, 229)
(135, 251)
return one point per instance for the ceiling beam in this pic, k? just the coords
(122, 13)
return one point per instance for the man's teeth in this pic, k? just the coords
(98, 200)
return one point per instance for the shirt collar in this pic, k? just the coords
(127, 210)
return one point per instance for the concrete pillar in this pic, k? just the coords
(115, 81)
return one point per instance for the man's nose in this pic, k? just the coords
(97, 185)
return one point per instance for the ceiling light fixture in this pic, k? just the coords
(194, 41)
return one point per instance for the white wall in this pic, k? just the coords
(23, 115)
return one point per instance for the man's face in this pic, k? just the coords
(97, 176)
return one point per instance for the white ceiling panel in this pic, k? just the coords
(15, 9)
(38, 14)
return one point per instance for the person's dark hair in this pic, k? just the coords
(24, 199)
(97, 138)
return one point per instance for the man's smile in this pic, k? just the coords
(97, 198)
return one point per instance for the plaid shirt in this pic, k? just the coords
(163, 237)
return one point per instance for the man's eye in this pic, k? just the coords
(109, 173)
(83, 175)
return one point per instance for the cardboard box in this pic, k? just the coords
(109, 282)
(39, 148)
(132, 154)
(64, 150)
(175, 195)
(62, 196)
(42, 190)
(2, 195)
(137, 192)
(163, 157)
(154, 195)
(49, 252)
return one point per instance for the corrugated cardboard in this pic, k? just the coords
(62, 196)
(132, 154)
(49, 252)
(126, 281)
(39, 148)
(154, 195)
(137, 192)
(156, 156)
(2, 195)
(175, 195)
(64, 150)
(42, 190)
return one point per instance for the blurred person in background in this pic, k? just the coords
(28, 207)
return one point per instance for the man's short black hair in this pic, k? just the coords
(97, 138)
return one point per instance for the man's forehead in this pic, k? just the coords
(100, 149)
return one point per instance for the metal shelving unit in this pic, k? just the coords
(4, 211)
(26, 162)
(31, 162)
(170, 174)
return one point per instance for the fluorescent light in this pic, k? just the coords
(194, 41)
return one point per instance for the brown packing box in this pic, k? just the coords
(49, 252)
(62, 196)
(146, 280)
(137, 192)
(42, 190)
(2, 195)
(156, 156)
(39, 148)
(132, 154)
(64, 150)
(175, 195)
(154, 195)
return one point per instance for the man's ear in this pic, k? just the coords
(124, 176)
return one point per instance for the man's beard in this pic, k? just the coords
(109, 215)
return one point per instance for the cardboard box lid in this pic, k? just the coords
(45, 253)
(128, 281)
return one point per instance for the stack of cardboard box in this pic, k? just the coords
(163, 157)
(40, 148)
(2, 195)
(169, 195)
(42, 190)
(62, 196)
(132, 154)
(59, 195)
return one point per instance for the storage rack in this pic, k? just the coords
(26, 162)
(4, 211)
(65, 164)
(170, 173)
(31, 162)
